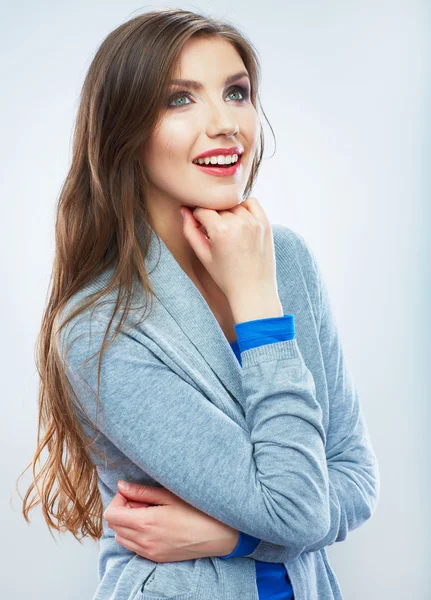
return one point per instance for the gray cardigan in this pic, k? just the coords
(278, 449)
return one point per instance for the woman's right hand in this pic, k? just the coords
(237, 249)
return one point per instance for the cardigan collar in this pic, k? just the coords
(180, 297)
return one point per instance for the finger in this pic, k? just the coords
(133, 546)
(198, 239)
(254, 207)
(146, 493)
(118, 501)
(190, 222)
(242, 212)
(128, 533)
(211, 219)
(133, 504)
(135, 518)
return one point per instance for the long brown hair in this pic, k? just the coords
(101, 222)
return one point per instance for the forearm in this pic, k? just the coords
(351, 505)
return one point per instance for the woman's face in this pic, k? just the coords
(218, 115)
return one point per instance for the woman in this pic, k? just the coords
(219, 399)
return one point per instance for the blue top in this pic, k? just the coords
(272, 579)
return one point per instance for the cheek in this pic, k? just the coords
(252, 127)
(172, 148)
(169, 165)
(177, 135)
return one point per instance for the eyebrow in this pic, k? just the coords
(198, 86)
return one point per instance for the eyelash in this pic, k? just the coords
(244, 91)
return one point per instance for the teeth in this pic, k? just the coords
(218, 160)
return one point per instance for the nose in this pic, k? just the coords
(221, 120)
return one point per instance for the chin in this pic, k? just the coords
(219, 204)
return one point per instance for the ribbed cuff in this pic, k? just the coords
(246, 545)
(276, 351)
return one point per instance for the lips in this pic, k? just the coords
(217, 166)
(220, 170)
(223, 151)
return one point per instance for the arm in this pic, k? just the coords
(258, 482)
(354, 480)
(252, 334)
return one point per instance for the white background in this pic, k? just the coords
(345, 87)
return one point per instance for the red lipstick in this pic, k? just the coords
(216, 151)
(219, 170)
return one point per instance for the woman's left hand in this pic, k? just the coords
(160, 526)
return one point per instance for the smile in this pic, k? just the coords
(220, 170)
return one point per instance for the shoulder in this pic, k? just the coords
(297, 262)
(79, 325)
(291, 245)
(92, 302)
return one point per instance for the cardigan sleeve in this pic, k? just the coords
(251, 334)
(258, 482)
(353, 470)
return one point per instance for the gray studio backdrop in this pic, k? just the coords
(346, 90)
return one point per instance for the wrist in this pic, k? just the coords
(254, 309)
(221, 543)
(230, 543)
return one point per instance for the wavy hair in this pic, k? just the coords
(102, 221)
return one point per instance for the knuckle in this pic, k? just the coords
(222, 229)
(141, 525)
(245, 226)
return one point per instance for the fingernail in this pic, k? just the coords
(123, 485)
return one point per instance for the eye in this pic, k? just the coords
(179, 95)
(242, 90)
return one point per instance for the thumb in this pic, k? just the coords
(195, 234)
(145, 493)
